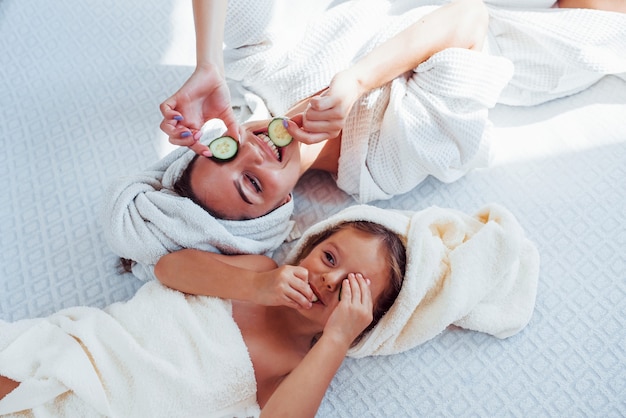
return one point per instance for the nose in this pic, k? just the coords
(253, 151)
(332, 281)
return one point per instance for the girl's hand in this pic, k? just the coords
(354, 312)
(286, 285)
(326, 115)
(204, 96)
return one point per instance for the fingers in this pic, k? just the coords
(178, 133)
(232, 128)
(321, 103)
(323, 109)
(173, 126)
(296, 289)
(303, 136)
(167, 108)
(201, 149)
(355, 289)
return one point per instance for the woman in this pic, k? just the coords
(384, 81)
(429, 120)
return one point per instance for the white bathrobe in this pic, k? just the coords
(434, 121)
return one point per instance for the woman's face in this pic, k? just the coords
(347, 251)
(258, 180)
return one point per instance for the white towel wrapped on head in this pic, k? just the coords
(145, 219)
(477, 272)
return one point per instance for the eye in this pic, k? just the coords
(329, 258)
(254, 182)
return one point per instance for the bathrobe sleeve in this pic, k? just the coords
(433, 121)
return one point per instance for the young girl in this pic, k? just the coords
(382, 282)
(290, 348)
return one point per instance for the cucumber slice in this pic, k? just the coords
(224, 148)
(278, 134)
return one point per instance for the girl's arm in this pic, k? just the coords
(461, 24)
(253, 278)
(301, 392)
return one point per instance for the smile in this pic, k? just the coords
(273, 148)
(316, 295)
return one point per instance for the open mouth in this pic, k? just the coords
(275, 150)
(316, 296)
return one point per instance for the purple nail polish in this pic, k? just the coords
(185, 134)
(285, 123)
(178, 118)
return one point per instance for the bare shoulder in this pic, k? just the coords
(273, 353)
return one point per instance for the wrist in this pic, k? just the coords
(358, 77)
(338, 341)
(251, 288)
(210, 67)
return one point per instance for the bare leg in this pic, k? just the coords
(6, 386)
(609, 5)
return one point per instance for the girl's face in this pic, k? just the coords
(258, 180)
(329, 263)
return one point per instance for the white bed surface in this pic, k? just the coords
(80, 84)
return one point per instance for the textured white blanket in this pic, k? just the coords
(144, 219)
(161, 354)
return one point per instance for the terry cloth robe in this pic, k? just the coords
(144, 219)
(161, 354)
(433, 121)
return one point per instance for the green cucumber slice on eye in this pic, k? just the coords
(278, 134)
(224, 148)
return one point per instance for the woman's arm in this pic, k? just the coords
(205, 94)
(301, 392)
(462, 24)
(209, 17)
(253, 278)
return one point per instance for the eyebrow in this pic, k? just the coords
(241, 192)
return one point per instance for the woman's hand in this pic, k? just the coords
(326, 114)
(204, 96)
(354, 312)
(286, 285)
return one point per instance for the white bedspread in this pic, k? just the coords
(80, 84)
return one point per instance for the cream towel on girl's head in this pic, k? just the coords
(145, 219)
(477, 272)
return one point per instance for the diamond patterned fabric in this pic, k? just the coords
(80, 85)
